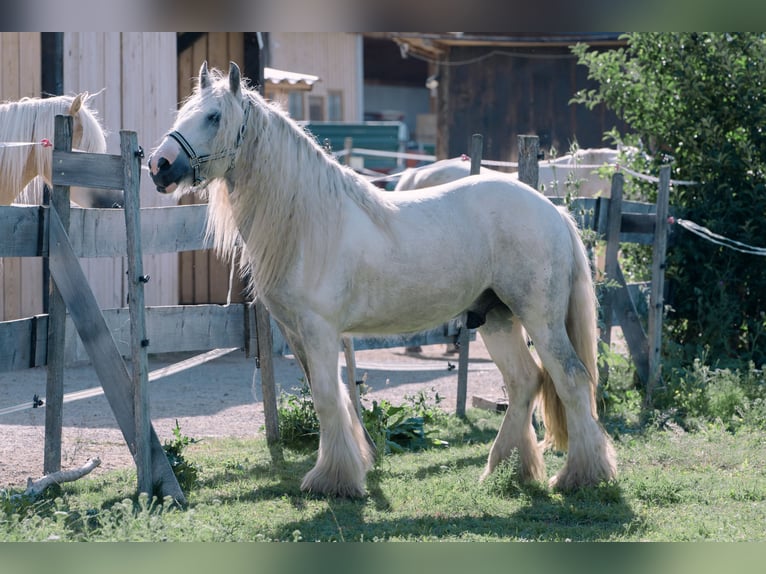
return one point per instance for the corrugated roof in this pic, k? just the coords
(293, 79)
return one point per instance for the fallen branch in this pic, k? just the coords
(37, 487)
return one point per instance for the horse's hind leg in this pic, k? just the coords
(506, 342)
(590, 457)
(344, 454)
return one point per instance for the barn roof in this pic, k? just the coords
(438, 44)
(293, 80)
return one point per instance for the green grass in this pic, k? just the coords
(672, 486)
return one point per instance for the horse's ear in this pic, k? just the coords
(235, 78)
(204, 77)
(77, 103)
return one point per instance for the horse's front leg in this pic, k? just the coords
(344, 454)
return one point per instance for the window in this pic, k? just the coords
(335, 105)
(316, 108)
(295, 105)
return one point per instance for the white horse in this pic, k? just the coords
(577, 171)
(330, 255)
(24, 125)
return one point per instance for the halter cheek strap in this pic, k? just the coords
(196, 161)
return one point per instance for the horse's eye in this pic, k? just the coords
(214, 117)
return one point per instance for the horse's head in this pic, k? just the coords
(87, 133)
(205, 137)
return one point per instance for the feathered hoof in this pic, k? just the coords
(570, 478)
(320, 483)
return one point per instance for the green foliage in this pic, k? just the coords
(186, 472)
(697, 101)
(393, 428)
(700, 395)
(298, 422)
(404, 428)
(504, 480)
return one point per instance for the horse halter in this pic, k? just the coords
(196, 161)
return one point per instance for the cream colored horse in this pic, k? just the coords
(331, 255)
(24, 125)
(576, 172)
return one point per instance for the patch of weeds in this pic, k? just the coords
(504, 480)
(298, 422)
(186, 472)
(407, 427)
(657, 490)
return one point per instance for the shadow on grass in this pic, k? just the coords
(593, 514)
(527, 512)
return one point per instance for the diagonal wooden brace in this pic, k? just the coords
(98, 341)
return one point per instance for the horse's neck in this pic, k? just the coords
(18, 167)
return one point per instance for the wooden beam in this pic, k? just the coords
(54, 387)
(611, 265)
(265, 367)
(94, 170)
(131, 165)
(656, 297)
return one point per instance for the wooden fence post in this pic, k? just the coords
(265, 364)
(614, 222)
(54, 388)
(464, 339)
(131, 163)
(348, 145)
(529, 170)
(656, 295)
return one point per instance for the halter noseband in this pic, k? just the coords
(196, 161)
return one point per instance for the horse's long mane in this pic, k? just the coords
(285, 195)
(32, 120)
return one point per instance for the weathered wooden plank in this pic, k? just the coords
(101, 232)
(657, 293)
(443, 334)
(20, 230)
(54, 385)
(529, 169)
(131, 163)
(635, 336)
(106, 359)
(638, 223)
(265, 371)
(22, 343)
(611, 264)
(173, 329)
(82, 169)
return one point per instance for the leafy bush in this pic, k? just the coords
(393, 428)
(186, 472)
(701, 394)
(697, 101)
(298, 422)
(403, 428)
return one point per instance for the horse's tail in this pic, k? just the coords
(582, 330)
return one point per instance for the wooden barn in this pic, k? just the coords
(501, 86)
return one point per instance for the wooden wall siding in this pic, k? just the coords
(333, 56)
(203, 277)
(136, 72)
(20, 279)
(503, 97)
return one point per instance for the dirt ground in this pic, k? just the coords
(212, 399)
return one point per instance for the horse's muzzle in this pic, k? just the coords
(167, 174)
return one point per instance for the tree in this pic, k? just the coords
(697, 101)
